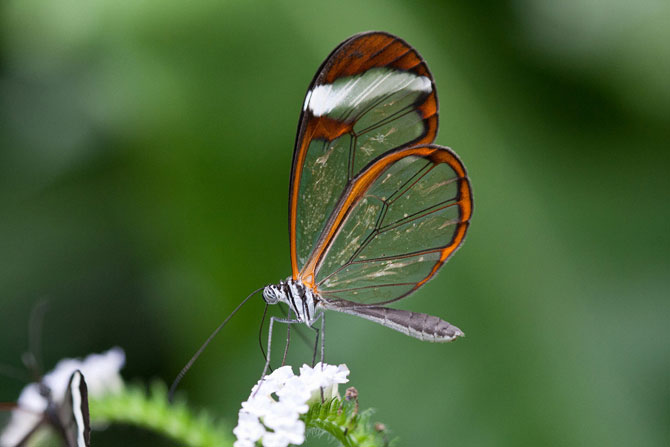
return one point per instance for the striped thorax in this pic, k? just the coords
(300, 298)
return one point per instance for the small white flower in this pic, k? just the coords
(248, 429)
(101, 372)
(276, 422)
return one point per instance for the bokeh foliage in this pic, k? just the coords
(145, 149)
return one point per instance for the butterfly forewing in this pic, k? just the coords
(372, 95)
(405, 215)
(73, 414)
(69, 418)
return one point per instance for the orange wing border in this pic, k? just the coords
(353, 56)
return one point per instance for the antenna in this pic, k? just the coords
(33, 358)
(188, 365)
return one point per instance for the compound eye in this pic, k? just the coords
(270, 296)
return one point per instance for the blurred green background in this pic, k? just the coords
(145, 150)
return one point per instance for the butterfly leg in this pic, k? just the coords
(296, 329)
(288, 339)
(260, 334)
(273, 320)
(323, 335)
(320, 336)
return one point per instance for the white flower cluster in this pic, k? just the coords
(276, 421)
(101, 372)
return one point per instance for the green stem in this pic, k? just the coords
(133, 406)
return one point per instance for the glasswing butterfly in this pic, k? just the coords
(375, 209)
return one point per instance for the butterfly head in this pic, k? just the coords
(272, 294)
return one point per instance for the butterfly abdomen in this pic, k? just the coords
(418, 325)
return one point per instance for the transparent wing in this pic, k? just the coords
(396, 225)
(372, 95)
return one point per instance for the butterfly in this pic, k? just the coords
(68, 417)
(375, 209)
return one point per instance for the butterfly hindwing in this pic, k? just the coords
(398, 222)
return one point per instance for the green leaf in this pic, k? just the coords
(342, 420)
